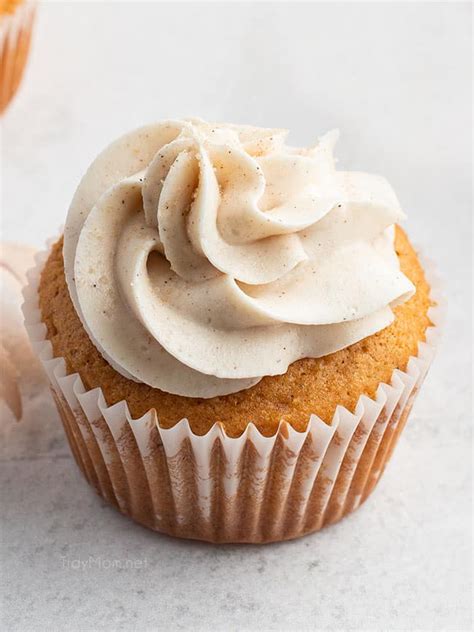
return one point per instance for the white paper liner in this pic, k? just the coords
(214, 487)
(15, 34)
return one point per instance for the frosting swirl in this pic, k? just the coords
(202, 257)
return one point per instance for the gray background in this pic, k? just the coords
(396, 79)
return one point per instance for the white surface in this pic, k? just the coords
(396, 79)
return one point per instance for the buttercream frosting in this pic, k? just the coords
(203, 257)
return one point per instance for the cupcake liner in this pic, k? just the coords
(15, 37)
(224, 489)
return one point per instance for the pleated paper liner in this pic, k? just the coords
(15, 38)
(224, 489)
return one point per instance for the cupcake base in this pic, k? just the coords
(248, 493)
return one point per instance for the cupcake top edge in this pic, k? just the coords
(201, 257)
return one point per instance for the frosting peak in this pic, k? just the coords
(202, 257)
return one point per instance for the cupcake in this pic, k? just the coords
(16, 23)
(234, 330)
(20, 369)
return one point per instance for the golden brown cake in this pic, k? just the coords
(309, 386)
(234, 330)
(16, 24)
